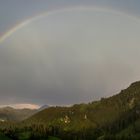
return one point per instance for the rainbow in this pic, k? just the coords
(37, 17)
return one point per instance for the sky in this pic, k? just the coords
(67, 51)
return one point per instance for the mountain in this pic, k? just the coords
(11, 114)
(43, 107)
(116, 115)
(113, 118)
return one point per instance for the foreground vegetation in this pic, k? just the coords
(113, 118)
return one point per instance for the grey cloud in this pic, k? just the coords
(51, 62)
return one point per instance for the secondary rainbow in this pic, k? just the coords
(37, 17)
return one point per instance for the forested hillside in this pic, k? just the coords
(116, 117)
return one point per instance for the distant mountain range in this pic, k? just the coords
(43, 107)
(12, 114)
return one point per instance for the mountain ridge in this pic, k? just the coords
(101, 114)
(8, 113)
(113, 118)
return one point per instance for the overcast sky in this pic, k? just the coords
(80, 51)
